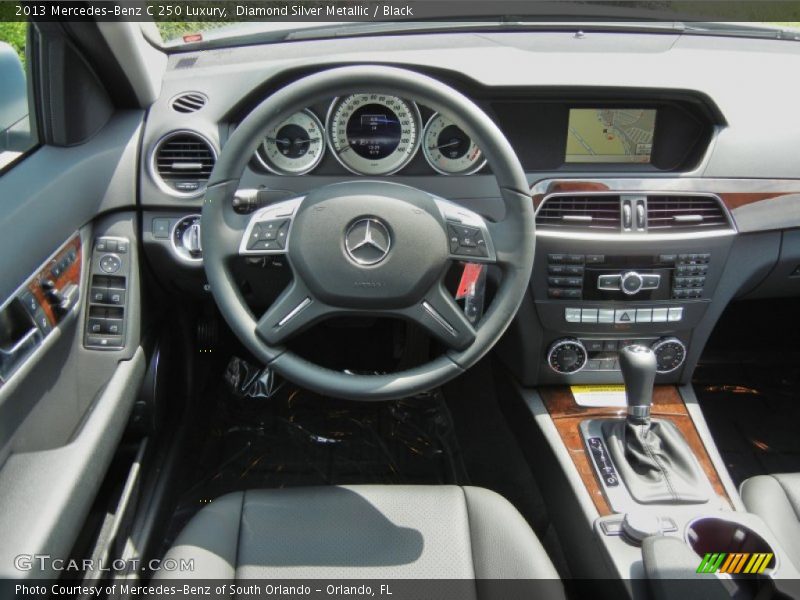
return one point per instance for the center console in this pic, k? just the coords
(597, 289)
(626, 288)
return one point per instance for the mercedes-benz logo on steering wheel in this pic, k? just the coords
(367, 241)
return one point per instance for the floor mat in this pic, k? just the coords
(753, 416)
(298, 438)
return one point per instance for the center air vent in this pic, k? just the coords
(182, 163)
(580, 213)
(189, 102)
(685, 213)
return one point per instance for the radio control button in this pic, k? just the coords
(610, 346)
(608, 282)
(631, 282)
(659, 315)
(675, 314)
(595, 259)
(589, 315)
(573, 270)
(593, 345)
(644, 315)
(556, 259)
(557, 270)
(650, 281)
(605, 315)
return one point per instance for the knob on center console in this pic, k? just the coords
(567, 356)
(670, 354)
(631, 283)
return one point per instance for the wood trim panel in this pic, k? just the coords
(667, 404)
(72, 275)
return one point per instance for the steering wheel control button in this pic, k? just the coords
(269, 235)
(466, 241)
(110, 263)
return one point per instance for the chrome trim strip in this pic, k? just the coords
(294, 312)
(438, 318)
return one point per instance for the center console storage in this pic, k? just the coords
(729, 546)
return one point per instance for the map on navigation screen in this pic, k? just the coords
(605, 135)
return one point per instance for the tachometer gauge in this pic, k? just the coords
(295, 146)
(373, 134)
(448, 149)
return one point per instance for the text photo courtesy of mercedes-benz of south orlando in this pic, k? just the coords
(402, 300)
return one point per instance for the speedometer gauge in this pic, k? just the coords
(373, 134)
(295, 146)
(448, 149)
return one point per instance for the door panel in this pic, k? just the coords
(64, 408)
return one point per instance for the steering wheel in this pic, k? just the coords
(369, 248)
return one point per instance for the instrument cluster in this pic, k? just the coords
(370, 134)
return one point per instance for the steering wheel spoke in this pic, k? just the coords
(443, 318)
(267, 233)
(293, 311)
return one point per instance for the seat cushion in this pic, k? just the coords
(355, 532)
(776, 499)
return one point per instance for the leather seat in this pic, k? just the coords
(776, 499)
(354, 532)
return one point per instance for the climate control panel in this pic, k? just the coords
(567, 356)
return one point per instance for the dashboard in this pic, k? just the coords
(661, 195)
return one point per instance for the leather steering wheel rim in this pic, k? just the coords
(513, 237)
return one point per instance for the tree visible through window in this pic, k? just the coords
(16, 130)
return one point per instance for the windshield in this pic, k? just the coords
(175, 35)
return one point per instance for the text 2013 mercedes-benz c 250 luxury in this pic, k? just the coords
(455, 308)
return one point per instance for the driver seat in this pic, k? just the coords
(360, 532)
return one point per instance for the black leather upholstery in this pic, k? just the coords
(776, 499)
(428, 532)
(655, 462)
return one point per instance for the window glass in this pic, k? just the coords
(16, 125)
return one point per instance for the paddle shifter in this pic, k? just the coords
(652, 457)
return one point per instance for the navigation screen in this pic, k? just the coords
(610, 135)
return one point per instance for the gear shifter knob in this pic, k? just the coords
(638, 365)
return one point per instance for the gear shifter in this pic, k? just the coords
(638, 365)
(654, 461)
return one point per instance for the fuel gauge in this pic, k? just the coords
(448, 149)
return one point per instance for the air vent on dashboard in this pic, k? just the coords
(182, 163)
(683, 213)
(580, 212)
(189, 102)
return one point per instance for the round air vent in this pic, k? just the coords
(189, 102)
(182, 163)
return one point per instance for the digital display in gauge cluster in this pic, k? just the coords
(369, 134)
(373, 134)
